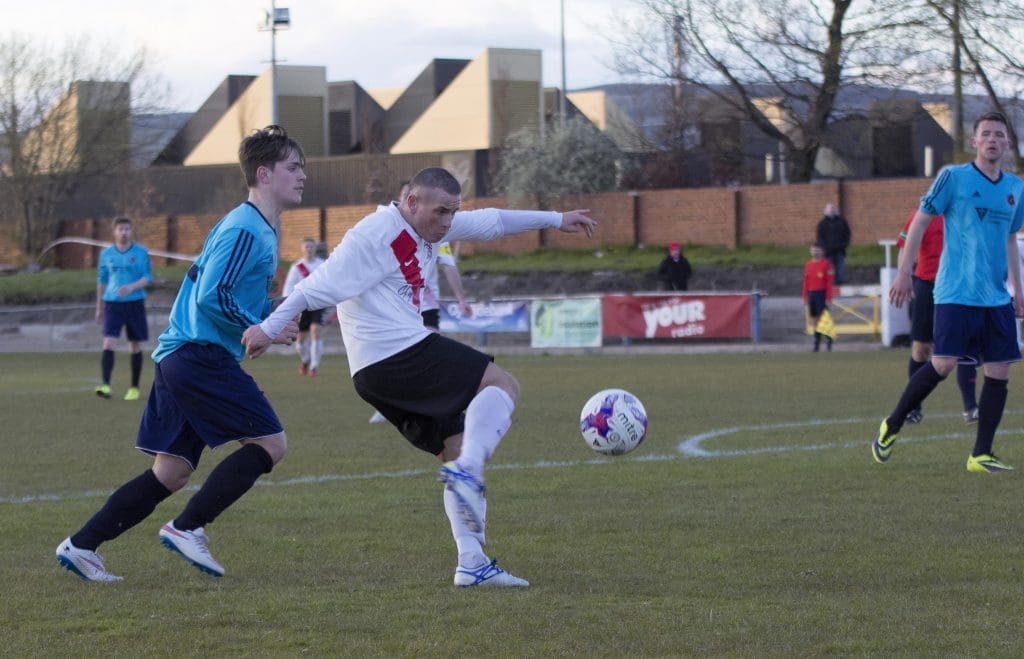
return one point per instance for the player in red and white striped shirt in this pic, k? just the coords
(445, 397)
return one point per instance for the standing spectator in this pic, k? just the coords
(121, 280)
(922, 316)
(201, 397)
(817, 291)
(834, 236)
(982, 210)
(675, 271)
(309, 345)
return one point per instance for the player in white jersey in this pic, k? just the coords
(309, 345)
(445, 397)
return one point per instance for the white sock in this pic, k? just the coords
(467, 541)
(316, 349)
(488, 418)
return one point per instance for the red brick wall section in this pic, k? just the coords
(10, 252)
(151, 233)
(755, 215)
(877, 209)
(784, 214)
(71, 255)
(296, 225)
(695, 216)
(192, 231)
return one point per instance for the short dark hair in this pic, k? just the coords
(265, 148)
(991, 116)
(436, 177)
(121, 219)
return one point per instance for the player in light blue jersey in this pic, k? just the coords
(121, 280)
(983, 208)
(201, 396)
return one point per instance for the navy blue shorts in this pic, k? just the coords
(922, 311)
(816, 304)
(976, 335)
(129, 315)
(425, 389)
(201, 397)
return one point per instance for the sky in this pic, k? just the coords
(194, 44)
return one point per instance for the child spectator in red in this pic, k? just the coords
(817, 292)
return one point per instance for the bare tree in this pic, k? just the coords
(64, 123)
(778, 63)
(574, 158)
(985, 53)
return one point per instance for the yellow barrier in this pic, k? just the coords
(856, 310)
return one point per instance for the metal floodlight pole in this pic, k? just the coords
(561, 100)
(273, 63)
(276, 19)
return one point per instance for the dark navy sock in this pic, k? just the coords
(918, 388)
(966, 379)
(990, 413)
(913, 365)
(127, 506)
(225, 485)
(136, 368)
(107, 367)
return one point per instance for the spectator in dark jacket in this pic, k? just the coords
(834, 236)
(675, 270)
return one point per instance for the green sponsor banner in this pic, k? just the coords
(570, 323)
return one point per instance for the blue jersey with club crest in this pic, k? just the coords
(980, 215)
(227, 289)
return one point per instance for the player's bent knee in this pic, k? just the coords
(276, 446)
(172, 472)
(495, 376)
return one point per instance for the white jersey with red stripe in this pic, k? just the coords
(376, 278)
(299, 271)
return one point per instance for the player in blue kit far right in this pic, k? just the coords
(983, 208)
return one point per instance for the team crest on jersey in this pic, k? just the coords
(1010, 199)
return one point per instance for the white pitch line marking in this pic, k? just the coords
(689, 448)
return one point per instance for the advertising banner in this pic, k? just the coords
(568, 323)
(512, 316)
(708, 316)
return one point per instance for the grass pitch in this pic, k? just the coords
(771, 534)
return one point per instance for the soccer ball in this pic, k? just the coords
(613, 422)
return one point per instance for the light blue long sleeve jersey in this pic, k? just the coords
(117, 269)
(980, 216)
(226, 290)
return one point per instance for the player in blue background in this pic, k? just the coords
(121, 280)
(201, 396)
(974, 313)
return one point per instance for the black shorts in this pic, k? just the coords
(308, 317)
(425, 389)
(432, 318)
(816, 303)
(922, 311)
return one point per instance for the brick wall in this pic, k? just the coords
(297, 225)
(728, 217)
